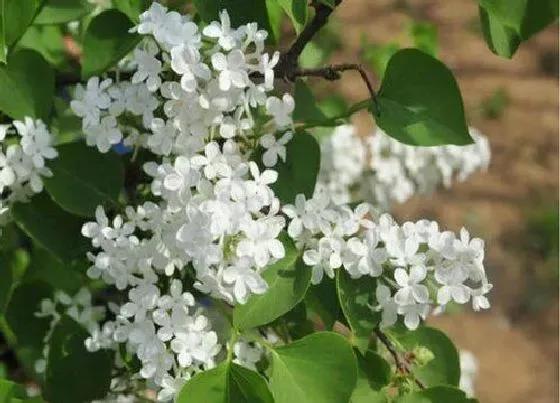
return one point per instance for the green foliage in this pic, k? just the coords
(287, 281)
(322, 299)
(494, 106)
(84, 178)
(422, 108)
(27, 84)
(73, 374)
(444, 368)
(16, 16)
(10, 391)
(355, 298)
(320, 368)
(63, 11)
(132, 8)
(107, 41)
(51, 227)
(501, 39)
(13, 264)
(437, 394)
(299, 173)
(48, 40)
(374, 373)
(227, 383)
(297, 11)
(306, 108)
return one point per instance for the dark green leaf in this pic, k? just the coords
(444, 368)
(132, 8)
(73, 374)
(63, 11)
(13, 264)
(227, 383)
(355, 296)
(84, 179)
(297, 11)
(538, 15)
(306, 105)
(264, 12)
(299, 173)
(320, 368)
(48, 41)
(438, 394)
(501, 39)
(107, 41)
(420, 102)
(51, 227)
(322, 300)
(2, 32)
(28, 329)
(61, 276)
(17, 16)
(287, 280)
(373, 374)
(27, 84)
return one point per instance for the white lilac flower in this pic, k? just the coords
(89, 101)
(274, 148)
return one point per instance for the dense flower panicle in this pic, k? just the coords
(211, 218)
(384, 171)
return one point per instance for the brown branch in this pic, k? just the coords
(401, 364)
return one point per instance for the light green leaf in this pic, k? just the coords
(107, 41)
(424, 35)
(74, 374)
(17, 16)
(438, 394)
(355, 296)
(10, 391)
(132, 8)
(48, 41)
(84, 178)
(51, 227)
(420, 102)
(27, 83)
(299, 173)
(306, 106)
(227, 383)
(63, 11)
(373, 374)
(378, 55)
(320, 368)
(297, 11)
(287, 281)
(444, 368)
(264, 12)
(501, 39)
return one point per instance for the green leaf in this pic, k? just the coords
(322, 300)
(27, 83)
(61, 276)
(438, 394)
(264, 12)
(287, 281)
(330, 3)
(420, 102)
(227, 383)
(48, 41)
(354, 296)
(306, 106)
(13, 264)
(2, 32)
(51, 227)
(132, 8)
(17, 16)
(84, 179)
(373, 374)
(320, 368)
(297, 11)
(501, 40)
(444, 368)
(524, 17)
(10, 391)
(107, 41)
(28, 329)
(299, 173)
(73, 374)
(63, 11)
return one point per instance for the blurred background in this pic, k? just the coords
(513, 207)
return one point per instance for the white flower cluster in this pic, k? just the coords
(216, 219)
(386, 171)
(469, 371)
(79, 307)
(415, 264)
(198, 103)
(22, 164)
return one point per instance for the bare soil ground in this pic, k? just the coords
(517, 348)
